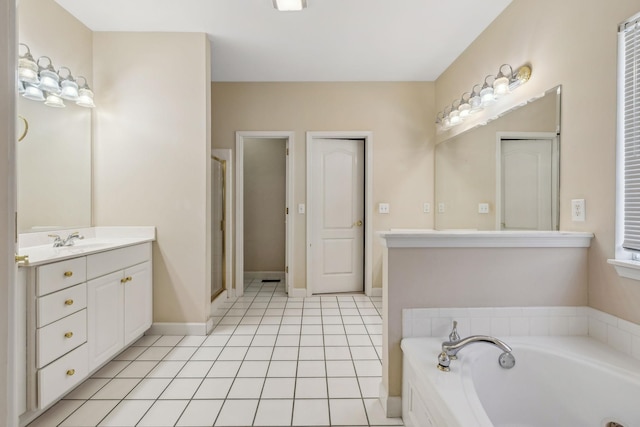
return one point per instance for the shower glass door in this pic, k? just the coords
(218, 169)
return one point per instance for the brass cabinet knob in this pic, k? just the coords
(68, 335)
(68, 273)
(123, 280)
(22, 258)
(71, 372)
(129, 279)
(68, 302)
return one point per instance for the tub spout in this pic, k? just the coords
(451, 348)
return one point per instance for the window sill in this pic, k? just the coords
(626, 268)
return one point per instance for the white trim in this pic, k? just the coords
(297, 293)
(626, 268)
(367, 136)
(227, 155)
(555, 176)
(376, 292)
(485, 239)
(289, 136)
(168, 328)
(391, 405)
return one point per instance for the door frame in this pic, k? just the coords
(226, 155)
(289, 136)
(555, 172)
(367, 136)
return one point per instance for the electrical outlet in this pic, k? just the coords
(426, 208)
(578, 210)
(440, 207)
(301, 208)
(483, 208)
(383, 208)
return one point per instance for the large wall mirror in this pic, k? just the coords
(54, 158)
(503, 175)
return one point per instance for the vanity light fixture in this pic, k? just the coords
(483, 95)
(290, 5)
(39, 81)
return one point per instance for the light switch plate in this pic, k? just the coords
(301, 208)
(383, 208)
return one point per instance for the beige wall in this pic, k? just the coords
(466, 165)
(398, 114)
(7, 207)
(152, 157)
(573, 43)
(264, 203)
(472, 277)
(54, 160)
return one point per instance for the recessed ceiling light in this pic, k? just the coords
(289, 5)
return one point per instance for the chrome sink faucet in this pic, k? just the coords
(68, 241)
(451, 348)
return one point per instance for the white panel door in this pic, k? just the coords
(138, 301)
(104, 318)
(337, 201)
(527, 184)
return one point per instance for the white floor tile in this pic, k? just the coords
(370, 386)
(259, 353)
(311, 340)
(131, 353)
(349, 311)
(347, 388)
(348, 412)
(207, 353)
(216, 341)
(333, 329)
(192, 341)
(271, 320)
(355, 329)
(127, 413)
(291, 320)
(149, 388)
(87, 389)
(337, 353)
(278, 388)
(200, 413)
(233, 353)
(282, 369)
(137, 369)
(312, 312)
(224, 368)
(285, 353)
(268, 329)
(289, 330)
(340, 368)
(364, 353)
(166, 369)
(195, 369)
(368, 368)
(163, 413)
(146, 340)
(311, 388)
(246, 388)
(181, 388)
(237, 413)
(117, 388)
(214, 388)
(287, 340)
(111, 369)
(335, 340)
(253, 369)
(168, 341)
(57, 413)
(180, 353)
(311, 412)
(264, 340)
(311, 368)
(311, 320)
(90, 414)
(239, 341)
(274, 413)
(155, 353)
(311, 353)
(358, 340)
(308, 329)
(246, 330)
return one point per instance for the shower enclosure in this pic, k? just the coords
(218, 273)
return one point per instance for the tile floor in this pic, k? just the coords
(270, 361)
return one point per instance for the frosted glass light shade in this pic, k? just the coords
(486, 94)
(54, 101)
(33, 93)
(501, 86)
(49, 81)
(289, 5)
(69, 90)
(85, 98)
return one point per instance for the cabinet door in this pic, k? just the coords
(105, 300)
(138, 301)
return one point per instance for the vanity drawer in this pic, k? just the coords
(60, 304)
(62, 375)
(117, 259)
(60, 337)
(60, 275)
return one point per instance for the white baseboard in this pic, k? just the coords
(257, 275)
(391, 405)
(298, 293)
(376, 292)
(162, 328)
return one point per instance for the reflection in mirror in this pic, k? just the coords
(503, 175)
(54, 167)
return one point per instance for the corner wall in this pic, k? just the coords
(398, 114)
(151, 157)
(573, 43)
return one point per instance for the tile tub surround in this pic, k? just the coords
(620, 334)
(270, 361)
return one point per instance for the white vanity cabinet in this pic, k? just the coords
(81, 312)
(119, 300)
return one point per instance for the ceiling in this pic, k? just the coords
(331, 40)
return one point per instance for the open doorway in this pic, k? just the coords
(263, 225)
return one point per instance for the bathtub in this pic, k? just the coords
(557, 381)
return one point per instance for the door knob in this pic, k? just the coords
(22, 258)
(359, 223)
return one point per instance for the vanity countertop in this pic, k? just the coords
(426, 238)
(39, 247)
